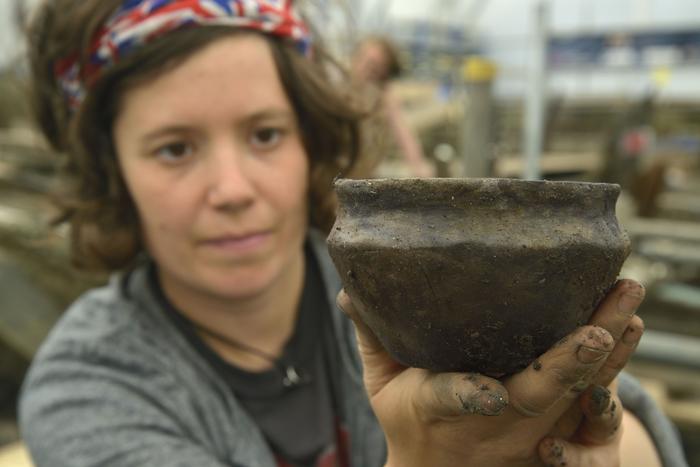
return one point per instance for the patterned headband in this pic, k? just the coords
(138, 22)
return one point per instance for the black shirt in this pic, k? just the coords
(296, 419)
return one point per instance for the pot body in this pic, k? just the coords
(475, 274)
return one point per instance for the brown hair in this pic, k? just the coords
(394, 66)
(104, 224)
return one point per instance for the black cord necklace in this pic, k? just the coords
(291, 377)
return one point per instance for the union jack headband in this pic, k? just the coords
(138, 22)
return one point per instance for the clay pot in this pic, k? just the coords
(475, 274)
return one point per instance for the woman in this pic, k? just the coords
(202, 137)
(375, 63)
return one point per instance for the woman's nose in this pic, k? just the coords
(230, 183)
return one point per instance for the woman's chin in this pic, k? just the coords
(239, 286)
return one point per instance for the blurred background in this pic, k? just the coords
(590, 90)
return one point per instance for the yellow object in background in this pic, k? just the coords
(661, 76)
(478, 69)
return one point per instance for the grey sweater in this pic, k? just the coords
(116, 384)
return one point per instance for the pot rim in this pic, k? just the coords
(429, 191)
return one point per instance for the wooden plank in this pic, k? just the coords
(432, 114)
(410, 92)
(513, 165)
(679, 294)
(672, 229)
(684, 413)
(670, 251)
(677, 380)
(21, 136)
(679, 202)
(27, 312)
(670, 348)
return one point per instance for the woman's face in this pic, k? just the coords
(370, 63)
(212, 156)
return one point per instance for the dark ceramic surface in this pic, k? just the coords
(475, 274)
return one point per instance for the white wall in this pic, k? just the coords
(505, 28)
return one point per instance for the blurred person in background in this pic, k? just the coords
(201, 140)
(374, 65)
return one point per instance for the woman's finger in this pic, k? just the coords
(379, 368)
(618, 307)
(559, 453)
(449, 395)
(602, 416)
(365, 336)
(597, 439)
(564, 371)
(623, 351)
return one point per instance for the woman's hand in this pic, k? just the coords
(469, 419)
(590, 433)
(597, 438)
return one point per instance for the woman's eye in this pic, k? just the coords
(174, 152)
(265, 138)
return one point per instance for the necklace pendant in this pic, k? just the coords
(291, 377)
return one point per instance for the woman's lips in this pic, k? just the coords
(238, 244)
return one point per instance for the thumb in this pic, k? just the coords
(450, 395)
(379, 368)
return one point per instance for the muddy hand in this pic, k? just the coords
(616, 314)
(461, 419)
(551, 383)
(378, 367)
(596, 422)
(419, 410)
(597, 443)
(438, 395)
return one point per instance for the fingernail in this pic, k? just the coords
(600, 399)
(598, 338)
(630, 300)
(494, 405)
(590, 355)
(486, 402)
(628, 303)
(632, 286)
